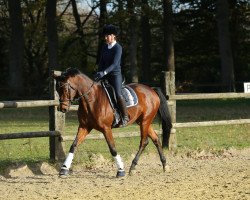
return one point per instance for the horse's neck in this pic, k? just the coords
(85, 83)
(86, 90)
(90, 92)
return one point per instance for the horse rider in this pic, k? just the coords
(109, 68)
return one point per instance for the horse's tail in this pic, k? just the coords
(165, 117)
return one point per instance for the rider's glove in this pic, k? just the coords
(99, 75)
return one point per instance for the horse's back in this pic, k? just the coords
(141, 89)
(147, 97)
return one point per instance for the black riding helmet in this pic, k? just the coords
(110, 29)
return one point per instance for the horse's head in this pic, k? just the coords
(66, 89)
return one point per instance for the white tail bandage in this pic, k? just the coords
(68, 161)
(119, 162)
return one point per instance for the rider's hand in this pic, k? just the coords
(98, 75)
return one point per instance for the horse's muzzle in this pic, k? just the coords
(62, 109)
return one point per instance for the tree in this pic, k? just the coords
(52, 34)
(146, 42)
(132, 41)
(168, 36)
(102, 21)
(121, 17)
(16, 48)
(239, 31)
(80, 31)
(169, 54)
(227, 66)
(4, 43)
(194, 54)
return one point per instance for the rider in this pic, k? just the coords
(109, 67)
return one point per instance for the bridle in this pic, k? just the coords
(70, 100)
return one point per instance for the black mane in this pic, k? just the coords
(71, 72)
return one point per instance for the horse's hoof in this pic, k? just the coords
(120, 173)
(64, 172)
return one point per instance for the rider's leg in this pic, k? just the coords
(123, 109)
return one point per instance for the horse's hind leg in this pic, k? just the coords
(81, 134)
(111, 143)
(143, 144)
(158, 145)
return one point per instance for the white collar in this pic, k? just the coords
(111, 45)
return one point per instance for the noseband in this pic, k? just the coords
(70, 100)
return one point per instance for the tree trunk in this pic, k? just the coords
(77, 19)
(122, 36)
(80, 32)
(52, 34)
(227, 66)
(120, 16)
(132, 41)
(146, 42)
(102, 21)
(168, 36)
(16, 48)
(169, 84)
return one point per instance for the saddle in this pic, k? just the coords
(128, 94)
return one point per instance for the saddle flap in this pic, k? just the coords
(128, 94)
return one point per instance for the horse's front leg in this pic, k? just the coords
(81, 134)
(118, 160)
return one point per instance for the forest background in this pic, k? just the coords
(206, 42)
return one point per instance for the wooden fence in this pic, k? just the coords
(57, 119)
(170, 91)
(56, 123)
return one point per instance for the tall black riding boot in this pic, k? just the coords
(123, 109)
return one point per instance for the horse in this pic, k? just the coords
(95, 112)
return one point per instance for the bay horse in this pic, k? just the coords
(95, 112)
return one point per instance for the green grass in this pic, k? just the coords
(203, 110)
(218, 137)
(208, 138)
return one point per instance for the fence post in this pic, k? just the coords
(56, 123)
(170, 90)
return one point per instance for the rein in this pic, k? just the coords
(85, 94)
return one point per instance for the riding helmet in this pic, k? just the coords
(110, 29)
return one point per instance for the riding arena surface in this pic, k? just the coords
(192, 175)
